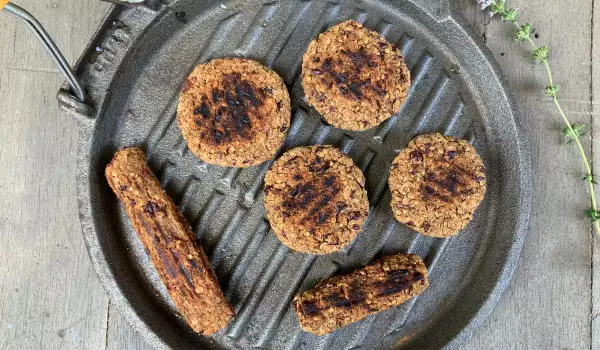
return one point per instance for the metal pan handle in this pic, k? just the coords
(49, 44)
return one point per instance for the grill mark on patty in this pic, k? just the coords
(398, 281)
(360, 59)
(230, 110)
(353, 295)
(448, 183)
(151, 208)
(311, 196)
(347, 71)
(319, 166)
(157, 235)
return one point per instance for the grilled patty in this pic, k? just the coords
(315, 199)
(437, 183)
(234, 112)
(353, 77)
(342, 300)
(168, 238)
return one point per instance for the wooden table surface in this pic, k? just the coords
(50, 297)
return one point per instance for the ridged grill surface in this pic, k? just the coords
(259, 275)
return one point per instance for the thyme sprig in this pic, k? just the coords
(572, 132)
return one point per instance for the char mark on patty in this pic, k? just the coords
(312, 197)
(447, 183)
(230, 110)
(354, 295)
(349, 72)
(399, 281)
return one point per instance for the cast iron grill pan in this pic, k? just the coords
(133, 71)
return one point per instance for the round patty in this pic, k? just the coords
(437, 182)
(234, 112)
(354, 77)
(315, 199)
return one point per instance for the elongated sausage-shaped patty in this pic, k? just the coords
(341, 300)
(181, 264)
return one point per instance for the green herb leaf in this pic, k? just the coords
(541, 54)
(594, 215)
(552, 90)
(574, 132)
(498, 7)
(523, 33)
(590, 178)
(510, 15)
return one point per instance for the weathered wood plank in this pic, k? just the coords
(49, 295)
(53, 299)
(70, 23)
(594, 319)
(547, 305)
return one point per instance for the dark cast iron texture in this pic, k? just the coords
(132, 72)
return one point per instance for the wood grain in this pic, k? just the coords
(595, 106)
(547, 305)
(49, 296)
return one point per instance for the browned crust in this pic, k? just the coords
(437, 183)
(234, 112)
(354, 77)
(181, 264)
(315, 199)
(341, 300)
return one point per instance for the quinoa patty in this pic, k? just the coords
(341, 300)
(354, 77)
(170, 242)
(234, 112)
(437, 183)
(315, 199)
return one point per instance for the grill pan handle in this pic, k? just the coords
(49, 44)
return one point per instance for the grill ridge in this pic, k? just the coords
(160, 128)
(190, 188)
(264, 15)
(456, 114)
(292, 22)
(267, 332)
(219, 249)
(243, 260)
(258, 291)
(208, 210)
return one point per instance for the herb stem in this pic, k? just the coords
(585, 161)
(549, 74)
(570, 128)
